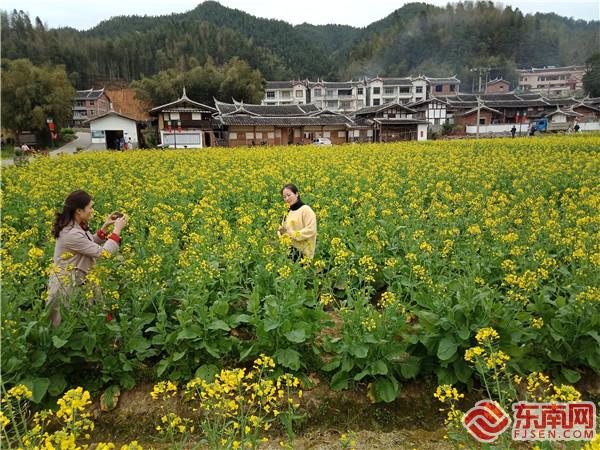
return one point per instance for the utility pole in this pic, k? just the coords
(478, 113)
(481, 71)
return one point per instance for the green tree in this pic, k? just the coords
(241, 82)
(591, 78)
(31, 94)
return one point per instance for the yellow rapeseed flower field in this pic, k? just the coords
(419, 245)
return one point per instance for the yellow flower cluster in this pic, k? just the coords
(472, 353)
(326, 299)
(447, 392)
(164, 389)
(387, 299)
(486, 335)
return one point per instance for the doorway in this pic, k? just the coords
(113, 139)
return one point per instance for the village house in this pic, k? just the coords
(434, 110)
(442, 87)
(497, 86)
(293, 92)
(252, 125)
(185, 123)
(396, 90)
(552, 81)
(388, 123)
(112, 129)
(345, 96)
(88, 104)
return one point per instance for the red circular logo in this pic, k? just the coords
(486, 421)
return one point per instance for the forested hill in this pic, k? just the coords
(416, 38)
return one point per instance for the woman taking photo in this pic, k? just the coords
(300, 224)
(76, 248)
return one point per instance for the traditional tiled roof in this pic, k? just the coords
(263, 110)
(395, 121)
(110, 113)
(550, 69)
(335, 84)
(425, 101)
(569, 113)
(375, 109)
(445, 80)
(284, 84)
(89, 94)
(481, 108)
(183, 104)
(497, 80)
(397, 81)
(285, 121)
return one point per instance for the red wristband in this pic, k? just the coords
(101, 234)
(115, 237)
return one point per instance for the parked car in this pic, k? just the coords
(322, 141)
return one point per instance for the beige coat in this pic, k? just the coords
(301, 226)
(75, 255)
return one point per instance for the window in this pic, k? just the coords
(388, 91)
(482, 121)
(376, 102)
(270, 94)
(341, 134)
(332, 104)
(92, 113)
(438, 88)
(174, 116)
(196, 116)
(299, 94)
(327, 134)
(232, 135)
(391, 115)
(345, 105)
(347, 92)
(98, 134)
(404, 90)
(92, 103)
(79, 104)
(376, 91)
(359, 91)
(249, 135)
(270, 135)
(166, 116)
(452, 87)
(419, 89)
(318, 92)
(258, 135)
(286, 94)
(329, 93)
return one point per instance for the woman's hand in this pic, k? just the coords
(108, 222)
(120, 224)
(280, 231)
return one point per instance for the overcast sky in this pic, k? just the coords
(83, 15)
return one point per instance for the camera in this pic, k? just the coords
(116, 215)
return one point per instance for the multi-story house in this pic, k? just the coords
(497, 86)
(552, 81)
(345, 96)
(443, 87)
(396, 90)
(286, 93)
(89, 104)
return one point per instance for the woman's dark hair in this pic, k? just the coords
(291, 187)
(74, 201)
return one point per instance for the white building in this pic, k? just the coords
(286, 93)
(396, 90)
(112, 128)
(552, 81)
(344, 96)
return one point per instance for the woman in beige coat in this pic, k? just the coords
(76, 248)
(300, 224)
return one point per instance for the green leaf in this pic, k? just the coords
(339, 381)
(331, 365)
(38, 358)
(219, 325)
(192, 332)
(570, 375)
(38, 388)
(110, 397)
(359, 350)
(89, 342)
(178, 355)
(245, 353)
(462, 370)
(447, 348)
(410, 368)
(386, 389)
(359, 376)
(207, 372)
(297, 335)
(57, 384)
(379, 368)
(288, 357)
(58, 342)
(127, 381)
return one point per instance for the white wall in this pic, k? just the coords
(495, 128)
(115, 123)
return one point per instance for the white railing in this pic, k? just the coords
(590, 126)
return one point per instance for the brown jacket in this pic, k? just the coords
(75, 255)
